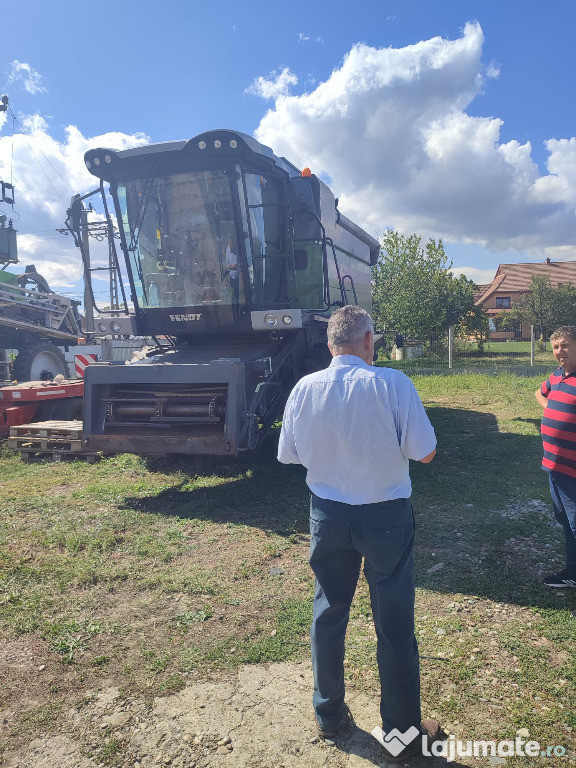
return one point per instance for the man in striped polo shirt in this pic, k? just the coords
(557, 396)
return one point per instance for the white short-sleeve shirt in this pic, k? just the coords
(355, 427)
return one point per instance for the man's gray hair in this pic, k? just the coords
(347, 325)
(565, 331)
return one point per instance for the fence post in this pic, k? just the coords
(450, 345)
(531, 346)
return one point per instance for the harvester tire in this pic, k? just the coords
(41, 362)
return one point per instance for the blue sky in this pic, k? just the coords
(448, 118)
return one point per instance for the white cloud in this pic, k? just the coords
(391, 130)
(62, 274)
(46, 173)
(302, 38)
(560, 253)
(275, 86)
(479, 276)
(493, 70)
(20, 72)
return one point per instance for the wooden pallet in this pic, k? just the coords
(71, 430)
(56, 438)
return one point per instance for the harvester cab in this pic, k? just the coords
(235, 260)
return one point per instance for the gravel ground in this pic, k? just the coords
(260, 719)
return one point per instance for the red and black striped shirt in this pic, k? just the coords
(559, 423)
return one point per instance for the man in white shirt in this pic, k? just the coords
(355, 427)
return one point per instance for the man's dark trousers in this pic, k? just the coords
(563, 493)
(382, 534)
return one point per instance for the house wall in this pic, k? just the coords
(520, 275)
(490, 303)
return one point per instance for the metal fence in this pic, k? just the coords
(452, 352)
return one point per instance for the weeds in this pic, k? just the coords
(184, 620)
(110, 753)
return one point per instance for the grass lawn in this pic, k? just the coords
(147, 574)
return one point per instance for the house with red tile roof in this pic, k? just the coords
(512, 281)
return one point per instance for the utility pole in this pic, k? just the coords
(8, 248)
(88, 305)
(114, 303)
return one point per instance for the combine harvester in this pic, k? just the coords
(235, 260)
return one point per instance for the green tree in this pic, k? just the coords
(476, 325)
(414, 291)
(545, 306)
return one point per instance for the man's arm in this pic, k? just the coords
(416, 432)
(287, 453)
(542, 401)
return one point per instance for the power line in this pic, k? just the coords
(12, 153)
(29, 196)
(39, 163)
(41, 152)
(21, 184)
(54, 234)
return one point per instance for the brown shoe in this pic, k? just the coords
(400, 746)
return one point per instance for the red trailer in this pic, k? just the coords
(40, 401)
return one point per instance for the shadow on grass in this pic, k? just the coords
(484, 526)
(253, 489)
(534, 422)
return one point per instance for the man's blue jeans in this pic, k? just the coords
(563, 493)
(382, 534)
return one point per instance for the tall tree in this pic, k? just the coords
(414, 290)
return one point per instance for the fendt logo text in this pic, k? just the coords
(185, 318)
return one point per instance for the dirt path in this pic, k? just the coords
(260, 719)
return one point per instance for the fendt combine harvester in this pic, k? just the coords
(235, 260)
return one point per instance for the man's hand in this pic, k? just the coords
(543, 401)
(428, 459)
